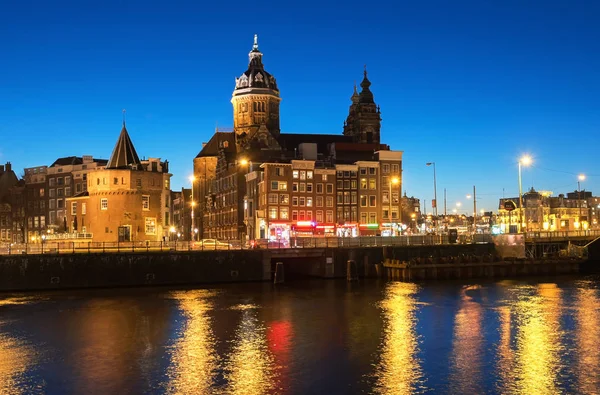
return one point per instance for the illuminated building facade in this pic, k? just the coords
(544, 212)
(127, 200)
(255, 182)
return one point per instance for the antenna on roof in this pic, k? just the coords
(216, 126)
(124, 116)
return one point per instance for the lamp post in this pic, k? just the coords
(393, 181)
(474, 209)
(580, 178)
(192, 204)
(435, 212)
(248, 164)
(524, 161)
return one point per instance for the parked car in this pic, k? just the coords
(211, 244)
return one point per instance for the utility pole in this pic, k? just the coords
(474, 211)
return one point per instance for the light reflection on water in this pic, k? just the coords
(467, 343)
(382, 338)
(250, 368)
(399, 371)
(536, 354)
(193, 358)
(588, 334)
(15, 360)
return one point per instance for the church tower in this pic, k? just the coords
(364, 118)
(256, 105)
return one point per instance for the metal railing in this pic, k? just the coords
(562, 235)
(90, 247)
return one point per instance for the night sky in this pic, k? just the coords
(470, 85)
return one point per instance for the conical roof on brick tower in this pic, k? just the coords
(124, 155)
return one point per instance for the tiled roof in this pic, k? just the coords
(219, 139)
(124, 154)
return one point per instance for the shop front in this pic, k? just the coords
(347, 229)
(391, 229)
(303, 229)
(279, 232)
(325, 230)
(369, 230)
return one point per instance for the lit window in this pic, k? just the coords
(145, 202)
(295, 174)
(74, 208)
(104, 204)
(150, 226)
(284, 213)
(273, 212)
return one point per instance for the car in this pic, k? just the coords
(211, 244)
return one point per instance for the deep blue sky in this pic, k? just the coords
(470, 85)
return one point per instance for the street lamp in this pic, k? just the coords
(580, 178)
(393, 181)
(474, 209)
(192, 179)
(524, 161)
(435, 212)
(172, 231)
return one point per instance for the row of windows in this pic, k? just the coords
(300, 215)
(52, 182)
(345, 214)
(308, 187)
(371, 199)
(347, 198)
(371, 183)
(60, 192)
(347, 184)
(371, 217)
(37, 222)
(121, 181)
(104, 204)
(5, 235)
(346, 174)
(278, 186)
(385, 168)
(305, 175)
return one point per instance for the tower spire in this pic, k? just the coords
(255, 46)
(365, 94)
(124, 116)
(354, 96)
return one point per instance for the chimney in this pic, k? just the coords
(1, 169)
(8, 167)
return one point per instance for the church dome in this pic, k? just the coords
(256, 77)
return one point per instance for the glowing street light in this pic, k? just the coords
(524, 161)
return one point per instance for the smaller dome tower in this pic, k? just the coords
(364, 118)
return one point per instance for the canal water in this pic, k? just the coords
(319, 337)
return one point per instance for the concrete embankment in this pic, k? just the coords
(34, 272)
(127, 269)
(398, 270)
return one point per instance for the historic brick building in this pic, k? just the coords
(257, 182)
(128, 200)
(8, 182)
